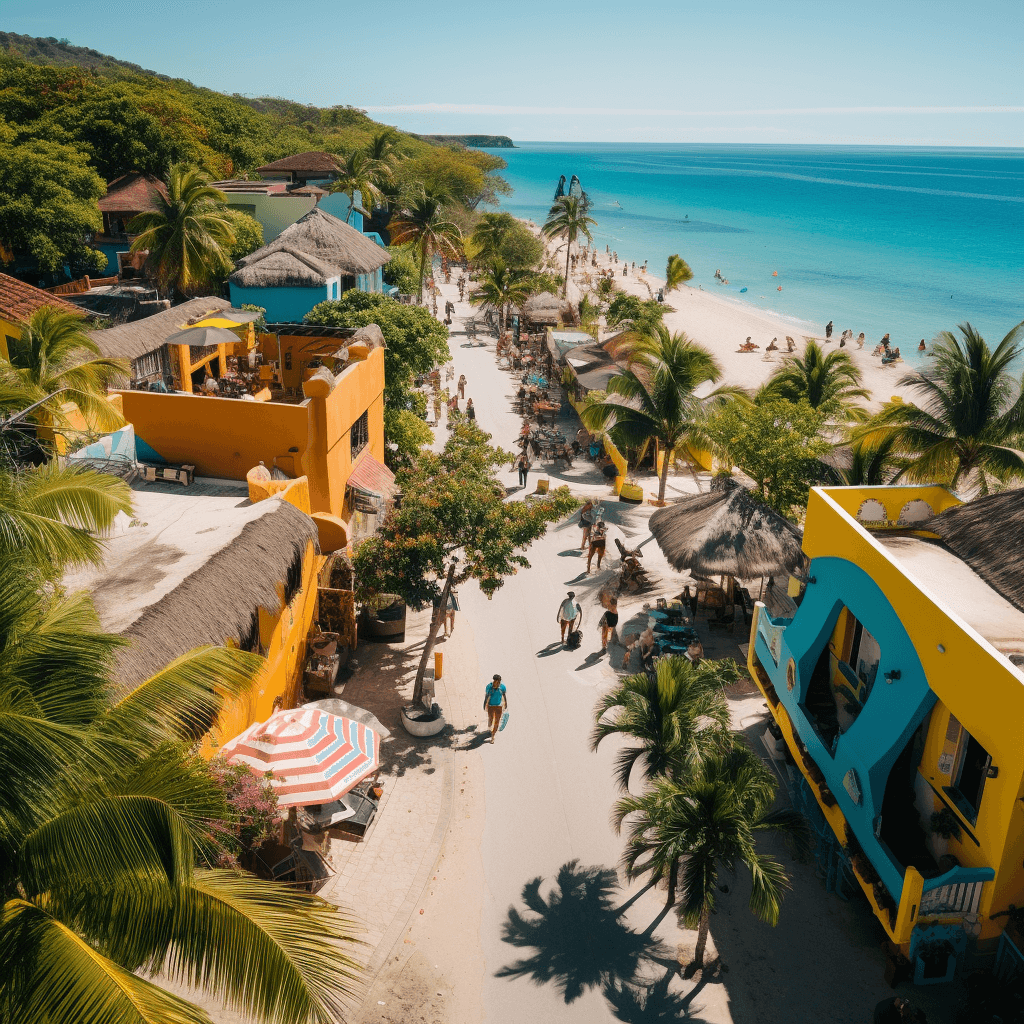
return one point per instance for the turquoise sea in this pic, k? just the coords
(909, 241)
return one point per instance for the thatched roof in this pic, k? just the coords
(218, 601)
(986, 534)
(547, 308)
(728, 532)
(136, 339)
(316, 247)
(283, 268)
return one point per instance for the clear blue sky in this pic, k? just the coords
(897, 72)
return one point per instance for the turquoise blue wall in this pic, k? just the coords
(890, 715)
(283, 305)
(337, 204)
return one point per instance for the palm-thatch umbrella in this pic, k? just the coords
(726, 532)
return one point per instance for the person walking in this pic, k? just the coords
(609, 621)
(586, 522)
(462, 385)
(597, 543)
(495, 702)
(470, 409)
(523, 465)
(568, 612)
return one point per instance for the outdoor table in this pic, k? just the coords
(654, 618)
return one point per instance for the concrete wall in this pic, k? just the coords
(225, 437)
(283, 305)
(275, 213)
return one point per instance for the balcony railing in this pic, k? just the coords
(771, 631)
(954, 894)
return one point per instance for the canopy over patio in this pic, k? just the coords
(726, 532)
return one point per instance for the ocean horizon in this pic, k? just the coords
(907, 241)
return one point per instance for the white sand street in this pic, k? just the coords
(602, 949)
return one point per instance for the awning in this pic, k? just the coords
(372, 477)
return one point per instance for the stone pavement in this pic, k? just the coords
(382, 881)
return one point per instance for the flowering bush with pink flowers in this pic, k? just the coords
(254, 816)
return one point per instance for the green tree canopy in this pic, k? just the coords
(247, 232)
(779, 444)
(500, 236)
(416, 341)
(48, 197)
(677, 272)
(969, 428)
(403, 269)
(643, 316)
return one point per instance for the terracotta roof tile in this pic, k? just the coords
(18, 300)
(133, 193)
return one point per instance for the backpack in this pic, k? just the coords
(574, 639)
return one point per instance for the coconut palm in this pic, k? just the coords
(863, 464)
(360, 173)
(654, 397)
(707, 821)
(382, 150)
(829, 381)
(52, 513)
(105, 830)
(677, 272)
(568, 219)
(967, 430)
(55, 360)
(425, 223)
(188, 236)
(503, 286)
(676, 718)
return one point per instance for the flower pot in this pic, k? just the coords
(417, 721)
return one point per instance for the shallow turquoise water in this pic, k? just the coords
(909, 241)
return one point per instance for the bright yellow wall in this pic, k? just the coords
(8, 329)
(968, 676)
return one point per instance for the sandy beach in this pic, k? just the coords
(722, 324)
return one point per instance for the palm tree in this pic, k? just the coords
(502, 287)
(106, 824)
(425, 223)
(707, 821)
(381, 149)
(863, 464)
(568, 219)
(971, 417)
(360, 173)
(660, 385)
(677, 272)
(829, 381)
(52, 513)
(51, 358)
(677, 718)
(188, 236)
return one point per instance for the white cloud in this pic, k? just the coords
(487, 108)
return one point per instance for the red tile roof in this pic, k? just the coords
(133, 193)
(18, 301)
(303, 162)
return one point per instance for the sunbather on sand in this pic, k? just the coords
(774, 346)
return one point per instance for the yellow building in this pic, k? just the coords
(898, 690)
(323, 421)
(203, 565)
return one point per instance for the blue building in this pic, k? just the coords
(317, 258)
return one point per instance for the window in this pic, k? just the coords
(971, 766)
(360, 434)
(334, 289)
(864, 656)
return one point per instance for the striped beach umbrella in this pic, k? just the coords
(312, 757)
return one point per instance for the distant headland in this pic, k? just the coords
(474, 141)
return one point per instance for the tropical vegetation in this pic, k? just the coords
(189, 237)
(677, 273)
(707, 822)
(967, 430)
(54, 362)
(500, 236)
(829, 382)
(569, 219)
(108, 840)
(659, 388)
(502, 287)
(425, 223)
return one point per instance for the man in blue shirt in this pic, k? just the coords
(495, 702)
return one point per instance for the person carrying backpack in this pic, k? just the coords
(568, 612)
